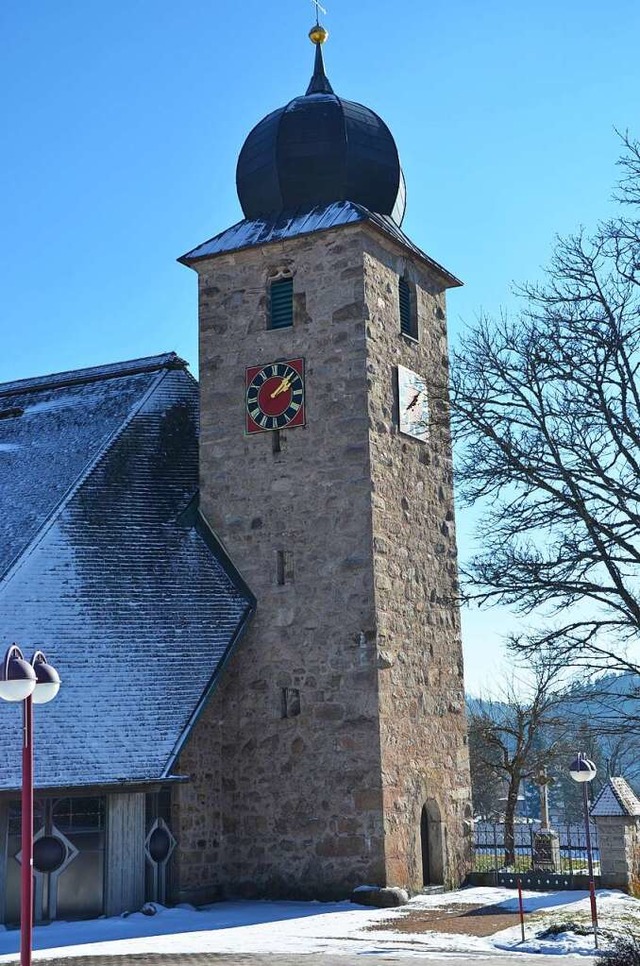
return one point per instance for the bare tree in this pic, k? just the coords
(516, 736)
(546, 415)
(484, 762)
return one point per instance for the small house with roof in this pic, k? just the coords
(616, 812)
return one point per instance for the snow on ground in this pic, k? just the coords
(617, 913)
(314, 927)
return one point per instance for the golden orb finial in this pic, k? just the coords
(318, 34)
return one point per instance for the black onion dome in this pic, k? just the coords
(317, 150)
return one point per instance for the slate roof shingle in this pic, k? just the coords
(132, 599)
(616, 798)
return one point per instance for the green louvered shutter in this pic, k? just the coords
(281, 303)
(404, 292)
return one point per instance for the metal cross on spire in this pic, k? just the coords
(319, 8)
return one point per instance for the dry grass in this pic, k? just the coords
(478, 920)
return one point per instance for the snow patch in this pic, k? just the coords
(295, 928)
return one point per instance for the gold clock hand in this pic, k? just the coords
(284, 385)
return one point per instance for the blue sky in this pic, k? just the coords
(122, 123)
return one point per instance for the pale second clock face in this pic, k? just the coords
(413, 404)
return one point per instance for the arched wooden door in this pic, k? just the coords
(431, 844)
(424, 843)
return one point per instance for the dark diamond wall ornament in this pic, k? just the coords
(159, 843)
(53, 852)
(158, 846)
(49, 853)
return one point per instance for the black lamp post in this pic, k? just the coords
(31, 683)
(583, 771)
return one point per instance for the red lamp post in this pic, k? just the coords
(31, 683)
(583, 771)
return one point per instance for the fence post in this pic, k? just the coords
(531, 847)
(495, 850)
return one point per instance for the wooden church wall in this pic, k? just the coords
(125, 856)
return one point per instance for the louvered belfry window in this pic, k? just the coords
(407, 318)
(281, 303)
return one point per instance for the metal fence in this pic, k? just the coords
(490, 854)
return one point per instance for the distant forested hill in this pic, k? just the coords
(604, 723)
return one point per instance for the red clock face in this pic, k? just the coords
(274, 396)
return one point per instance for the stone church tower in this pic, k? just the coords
(333, 752)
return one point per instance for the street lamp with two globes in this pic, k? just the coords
(30, 682)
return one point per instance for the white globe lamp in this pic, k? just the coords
(582, 769)
(47, 679)
(17, 677)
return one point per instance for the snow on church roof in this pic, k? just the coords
(51, 428)
(292, 224)
(106, 564)
(616, 798)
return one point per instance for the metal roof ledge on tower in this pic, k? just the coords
(294, 224)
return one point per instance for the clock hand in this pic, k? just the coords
(414, 401)
(284, 385)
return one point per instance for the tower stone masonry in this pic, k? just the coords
(333, 752)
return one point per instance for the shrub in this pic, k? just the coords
(623, 951)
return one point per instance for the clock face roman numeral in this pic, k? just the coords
(274, 396)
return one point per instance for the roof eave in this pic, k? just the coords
(449, 280)
(97, 788)
(62, 380)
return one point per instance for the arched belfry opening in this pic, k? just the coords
(431, 844)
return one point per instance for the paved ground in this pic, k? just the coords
(381, 959)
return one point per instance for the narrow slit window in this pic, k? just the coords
(408, 320)
(281, 303)
(278, 442)
(290, 702)
(284, 567)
